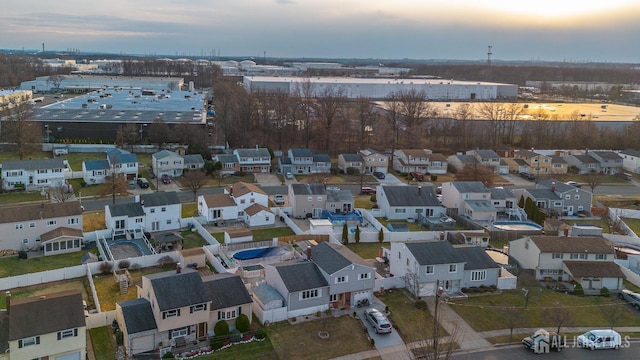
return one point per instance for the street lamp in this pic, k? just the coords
(141, 127)
(439, 291)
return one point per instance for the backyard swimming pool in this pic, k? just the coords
(516, 226)
(256, 253)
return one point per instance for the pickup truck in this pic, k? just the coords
(543, 341)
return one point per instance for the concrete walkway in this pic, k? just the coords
(465, 336)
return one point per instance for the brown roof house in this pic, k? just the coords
(587, 260)
(47, 326)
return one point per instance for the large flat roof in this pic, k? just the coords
(368, 81)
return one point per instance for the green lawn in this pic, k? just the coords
(413, 226)
(492, 312)
(633, 224)
(603, 223)
(18, 197)
(77, 284)
(412, 323)
(102, 345)
(189, 209)
(367, 250)
(75, 159)
(270, 233)
(260, 350)
(192, 240)
(12, 265)
(363, 202)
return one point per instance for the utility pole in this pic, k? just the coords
(435, 318)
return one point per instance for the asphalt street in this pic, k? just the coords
(519, 352)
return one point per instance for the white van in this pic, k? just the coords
(600, 339)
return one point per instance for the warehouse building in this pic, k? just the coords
(85, 83)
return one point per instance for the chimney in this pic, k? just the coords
(178, 268)
(7, 295)
(553, 186)
(308, 252)
(231, 190)
(419, 190)
(566, 232)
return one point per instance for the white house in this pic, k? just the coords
(163, 211)
(95, 171)
(165, 162)
(470, 198)
(631, 160)
(258, 215)
(217, 208)
(123, 162)
(404, 202)
(33, 174)
(246, 194)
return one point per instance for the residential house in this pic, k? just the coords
(559, 165)
(165, 162)
(459, 161)
(584, 163)
(479, 268)
(301, 284)
(588, 260)
(471, 199)
(490, 159)
(420, 160)
(540, 164)
(631, 160)
(339, 201)
(350, 278)
(138, 326)
(307, 200)
(50, 326)
(560, 198)
(298, 161)
(95, 171)
(506, 204)
(217, 208)
(180, 304)
(409, 202)
(229, 299)
(517, 165)
(610, 162)
(193, 161)
(321, 164)
(258, 215)
(255, 160)
(246, 194)
(32, 175)
(374, 161)
(470, 237)
(163, 211)
(123, 162)
(230, 163)
(125, 218)
(426, 265)
(350, 161)
(22, 227)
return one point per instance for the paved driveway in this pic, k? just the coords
(267, 179)
(390, 179)
(381, 340)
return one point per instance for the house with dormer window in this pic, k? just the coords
(123, 162)
(255, 160)
(301, 284)
(419, 160)
(32, 175)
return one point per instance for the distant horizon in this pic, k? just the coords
(545, 30)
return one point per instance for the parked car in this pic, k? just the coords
(417, 176)
(366, 190)
(166, 179)
(528, 176)
(289, 175)
(543, 341)
(378, 175)
(600, 339)
(334, 188)
(630, 297)
(278, 199)
(143, 183)
(574, 184)
(380, 323)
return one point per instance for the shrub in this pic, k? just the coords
(119, 338)
(235, 336)
(242, 323)
(22, 254)
(124, 264)
(420, 304)
(106, 267)
(217, 342)
(168, 355)
(353, 171)
(605, 292)
(134, 267)
(261, 333)
(221, 328)
(373, 342)
(464, 290)
(318, 314)
(83, 183)
(434, 178)
(373, 198)
(578, 290)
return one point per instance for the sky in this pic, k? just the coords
(539, 30)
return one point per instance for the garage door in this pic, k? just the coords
(142, 344)
(72, 356)
(359, 295)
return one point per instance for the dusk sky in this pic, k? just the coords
(554, 30)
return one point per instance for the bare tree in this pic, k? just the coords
(594, 179)
(365, 117)
(329, 107)
(194, 180)
(307, 105)
(476, 172)
(463, 114)
(559, 316)
(159, 133)
(614, 312)
(19, 130)
(414, 110)
(61, 193)
(392, 116)
(115, 184)
(425, 340)
(56, 81)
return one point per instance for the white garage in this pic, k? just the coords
(71, 356)
(142, 344)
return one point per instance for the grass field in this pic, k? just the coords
(633, 224)
(48, 288)
(367, 250)
(12, 265)
(189, 209)
(270, 233)
(102, 345)
(192, 240)
(18, 197)
(93, 220)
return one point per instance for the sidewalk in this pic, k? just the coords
(464, 335)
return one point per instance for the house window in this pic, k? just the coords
(163, 209)
(583, 256)
(478, 275)
(217, 213)
(429, 269)
(34, 340)
(169, 222)
(252, 200)
(138, 220)
(429, 213)
(72, 221)
(573, 256)
(556, 256)
(194, 308)
(32, 225)
(453, 268)
(180, 332)
(152, 211)
(51, 222)
(18, 226)
(364, 276)
(319, 198)
(226, 315)
(309, 294)
(557, 203)
(67, 333)
(333, 297)
(601, 256)
(171, 313)
(419, 211)
(567, 197)
(576, 197)
(400, 211)
(341, 279)
(309, 198)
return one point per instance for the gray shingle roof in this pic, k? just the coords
(470, 187)
(608, 155)
(226, 158)
(308, 189)
(576, 244)
(164, 153)
(193, 159)
(267, 293)
(631, 152)
(128, 209)
(160, 199)
(301, 153)
(119, 156)
(500, 194)
(434, 252)
(476, 258)
(352, 157)
(138, 315)
(520, 162)
(10, 214)
(253, 152)
(559, 185)
(34, 316)
(586, 159)
(543, 194)
(410, 196)
(96, 165)
(298, 276)
(321, 158)
(467, 159)
(35, 164)
(557, 160)
(594, 269)
(487, 154)
(339, 196)
(175, 290)
(481, 205)
(226, 290)
(334, 257)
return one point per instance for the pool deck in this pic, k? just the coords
(124, 249)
